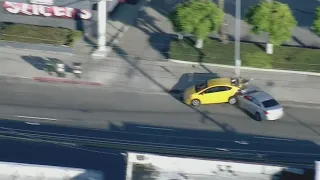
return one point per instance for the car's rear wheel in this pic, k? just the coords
(257, 116)
(195, 102)
(232, 100)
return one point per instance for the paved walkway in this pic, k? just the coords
(130, 73)
(150, 36)
(122, 16)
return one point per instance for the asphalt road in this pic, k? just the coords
(104, 108)
(154, 120)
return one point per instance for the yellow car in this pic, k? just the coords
(220, 90)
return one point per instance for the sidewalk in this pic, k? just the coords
(157, 76)
(118, 22)
(149, 38)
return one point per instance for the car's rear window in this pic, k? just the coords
(202, 86)
(270, 103)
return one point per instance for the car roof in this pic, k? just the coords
(261, 96)
(219, 81)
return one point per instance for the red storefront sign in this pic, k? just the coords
(46, 11)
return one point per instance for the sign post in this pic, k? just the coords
(102, 49)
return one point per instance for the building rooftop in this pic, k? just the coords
(156, 167)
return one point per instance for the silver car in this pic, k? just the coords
(261, 105)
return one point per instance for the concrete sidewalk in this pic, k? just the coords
(149, 38)
(159, 76)
(118, 22)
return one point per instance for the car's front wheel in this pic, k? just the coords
(232, 100)
(195, 102)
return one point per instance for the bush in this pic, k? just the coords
(39, 34)
(74, 36)
(252, 55)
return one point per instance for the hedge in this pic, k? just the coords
(252, 55)
(39, 34)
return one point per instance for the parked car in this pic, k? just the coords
(260, 104)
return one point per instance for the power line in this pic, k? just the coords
(245, 156)
(75, 138)
(34, 138)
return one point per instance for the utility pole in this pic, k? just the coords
(237, 39)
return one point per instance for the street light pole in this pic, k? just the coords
(237, 39)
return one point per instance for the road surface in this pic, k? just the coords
(101, 108)
(153, 120)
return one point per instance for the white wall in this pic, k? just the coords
(317, 170)
(28, 171)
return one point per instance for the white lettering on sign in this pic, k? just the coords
(9, 6)
(59, 11)
(46, 11)
(85, 14)
(35, 10)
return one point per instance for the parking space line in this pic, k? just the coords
(32, 117)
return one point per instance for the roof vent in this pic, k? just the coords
(140, 157)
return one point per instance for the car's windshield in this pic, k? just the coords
(270, 103)
(202, 86)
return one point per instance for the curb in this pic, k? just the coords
(246, 68)
(37, 48)
(66, 81)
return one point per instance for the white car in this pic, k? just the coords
(261, 105)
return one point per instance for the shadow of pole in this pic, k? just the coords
(118, 50)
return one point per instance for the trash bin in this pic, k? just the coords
(77, 69)
(50, 68)
(60, 69)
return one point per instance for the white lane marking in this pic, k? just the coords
(165, 129)
(33, 123)
(222, 149)
(242, 142)
(280, 139)
(261, 155)
(31, 117)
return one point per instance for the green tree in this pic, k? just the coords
(316, 22)
(274, 18)
(197, 17)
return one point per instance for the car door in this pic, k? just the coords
(226, 93)
(256, 106)
(244, 102)
(209, 95)
(253, 105)
(213, 95)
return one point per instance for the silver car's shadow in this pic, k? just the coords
(247, 113)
